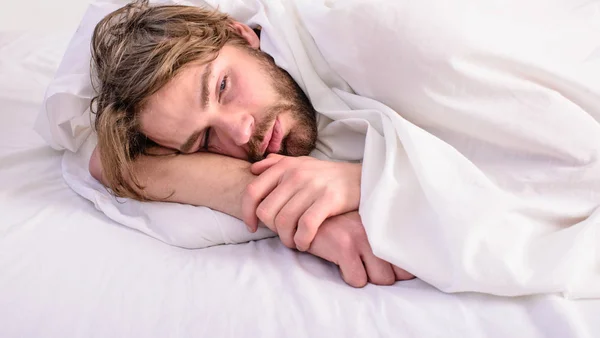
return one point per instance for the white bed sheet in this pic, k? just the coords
(66, 270)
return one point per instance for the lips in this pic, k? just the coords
(267, 140)
(273, 138)
(276, 138)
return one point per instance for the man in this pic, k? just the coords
(178, 83)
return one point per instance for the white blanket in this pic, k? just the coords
(477, 124)
(481, 172)
(67, 271)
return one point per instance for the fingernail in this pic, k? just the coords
(250, 228)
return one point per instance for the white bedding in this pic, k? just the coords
(66, 270)
(477, 126)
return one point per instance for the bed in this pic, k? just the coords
(67, 270)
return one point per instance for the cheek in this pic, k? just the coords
(253, 91)
(221, 144)
(152, 130)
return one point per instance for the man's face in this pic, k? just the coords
(240, 104)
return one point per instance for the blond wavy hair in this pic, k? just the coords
(135, 51)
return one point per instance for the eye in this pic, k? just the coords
(223, 85)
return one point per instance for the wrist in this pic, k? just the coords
(357, 179)
(354, 172)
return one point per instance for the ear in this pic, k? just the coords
(247, 33)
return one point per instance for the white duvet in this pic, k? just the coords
(477, 124)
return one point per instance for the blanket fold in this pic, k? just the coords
(477, 125)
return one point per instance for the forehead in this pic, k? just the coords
(186, 84)
(176, 88)
(189, 76)
(165, 115)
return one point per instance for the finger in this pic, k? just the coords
(275, 200)
(271, 206)
(353, 272)
(309, 224)
(249, 214)
(327, 246)
(289, 215)
(321, 246)
(255, 192)
(259, 167)
(379, 272)
(402, 274)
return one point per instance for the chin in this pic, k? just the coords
(297, 147)
(301, 136)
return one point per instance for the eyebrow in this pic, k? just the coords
(204, 94)
(187, 146)
(204, 99)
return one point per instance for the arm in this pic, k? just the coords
(292, 196)
(205, 179)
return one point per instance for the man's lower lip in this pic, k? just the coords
(266, 141)
(276, 138)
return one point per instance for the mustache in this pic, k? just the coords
(254, 154)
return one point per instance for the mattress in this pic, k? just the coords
(66, 270)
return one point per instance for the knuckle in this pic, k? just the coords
(252, 191)
(345, 243)
(282, 220)
(287, 241)
(334, 195)
(349, 254)
(308, 222)
(263, 213)
(301, 243)
(297, 175)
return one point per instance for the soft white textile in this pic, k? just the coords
(482, 172)
(68, 271)
(480, 168)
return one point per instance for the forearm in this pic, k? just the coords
(202, 179)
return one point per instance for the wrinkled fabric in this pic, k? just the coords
(476, 123)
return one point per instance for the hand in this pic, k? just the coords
(342, 240)
(293, 195)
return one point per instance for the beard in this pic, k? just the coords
(299, 140)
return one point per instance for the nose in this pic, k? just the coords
(239, 127)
